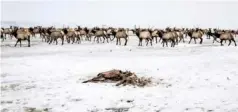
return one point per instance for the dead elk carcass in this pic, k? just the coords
(121, 78)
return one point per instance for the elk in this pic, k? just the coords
(224, 36)
(167, 36)
(155, 35)
(99, 33)
(21, 34)
(121, 33)
(5, 32)
(83, 32)
(37, 30)
(180, 35)
(55, 34)
(144, 34)
(71, 34)
(197, 34)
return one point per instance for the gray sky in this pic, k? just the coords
(145, 13)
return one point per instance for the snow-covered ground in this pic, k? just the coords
(191, 78)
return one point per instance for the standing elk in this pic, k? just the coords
(155, 35)
(180, 35)
(100, 33)
(21, 34)
(167, 36)
(121, 33)
(111, 32)
(144, 34)
(5, 32)
(174, 32)
(224, 36)
(83, 32)
(37, 30)
(208, 33)
(197, 34)
(71, 34)
(55, 34)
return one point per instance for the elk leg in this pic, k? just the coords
(16, 42)
(180, 39)
(183, 40)
(97, 39)
(29, 42)
(103, 39)
(140, 41)
(79, 41)
(172, 43)
(62, 38)
(160, 39)
(47, 39)
(151, 42)
(163, 42)
(166, 43)
(20, 42)
(50, 40)
(56, 41)
(107, 39)
(201, 40)
(68, 39)
(94, 38)
(176, 40)
(221, 42)
(229, 43)
(89, 39)
(195, 40)
(125, 41)
(234, 41)
(120, 41)
(113, 38)
(100, 39)
(73, 39)
(147, 41)
(156, 40)
(2, 37)
(42, 39)
(190, 41)
(117, 41)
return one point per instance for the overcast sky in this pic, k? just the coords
(145, 13)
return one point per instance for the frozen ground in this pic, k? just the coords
(193, 78)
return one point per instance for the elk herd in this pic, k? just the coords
(75, 35)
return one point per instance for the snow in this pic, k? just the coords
(192, 77)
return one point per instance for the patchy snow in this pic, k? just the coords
(193, 78)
